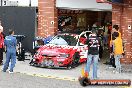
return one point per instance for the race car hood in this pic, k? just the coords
(54, 50)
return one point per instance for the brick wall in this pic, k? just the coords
(47, 18)
(122, 15)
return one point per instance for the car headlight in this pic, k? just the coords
(64, 55)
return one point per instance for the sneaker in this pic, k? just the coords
(99, 59)
(95, 78)
(115, 72)
(10, 72)
(111, 67)
(1, 63)
(3, 71)
(120, 70)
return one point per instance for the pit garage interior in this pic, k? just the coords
(81, 18)
(84, 15)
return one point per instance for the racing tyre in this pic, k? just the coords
(69, 66)
(76, 58)
(75, 62)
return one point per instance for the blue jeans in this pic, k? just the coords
(94, 59)
(117, 62)
(105, 39)
(10, 56)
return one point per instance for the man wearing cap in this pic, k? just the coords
(1, 45)
(93, 53)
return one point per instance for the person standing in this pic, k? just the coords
(93, 53)
(117, 51)
(114, 30)
(101, 47)
(10, 44)
(61, 26)
(1, 45)
(109, 34)
(106, 36)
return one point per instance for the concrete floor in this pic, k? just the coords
(72, 75)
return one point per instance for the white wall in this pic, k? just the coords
(72, 4)
(83, 4)
(26, 2)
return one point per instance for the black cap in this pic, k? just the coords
(116, 27)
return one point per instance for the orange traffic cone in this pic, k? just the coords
(84, 80)
(84, 74)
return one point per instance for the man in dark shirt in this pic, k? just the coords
(93, 53)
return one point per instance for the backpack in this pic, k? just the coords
(93, 45)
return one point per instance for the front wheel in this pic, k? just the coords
(75, 61)
(76, 58)
(69, 67)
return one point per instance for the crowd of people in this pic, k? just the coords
(112, 40)
(106, 37)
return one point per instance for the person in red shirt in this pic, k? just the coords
(109, 33)
(1, 45)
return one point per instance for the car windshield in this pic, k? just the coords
(64, 40)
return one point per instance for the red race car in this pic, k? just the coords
(64, 50)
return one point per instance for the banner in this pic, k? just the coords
(112, 1)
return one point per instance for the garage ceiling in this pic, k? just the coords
(91, 5)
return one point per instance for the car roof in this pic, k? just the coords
(70, 34)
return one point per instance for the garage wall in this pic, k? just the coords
(22, 20)
(122, 15)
